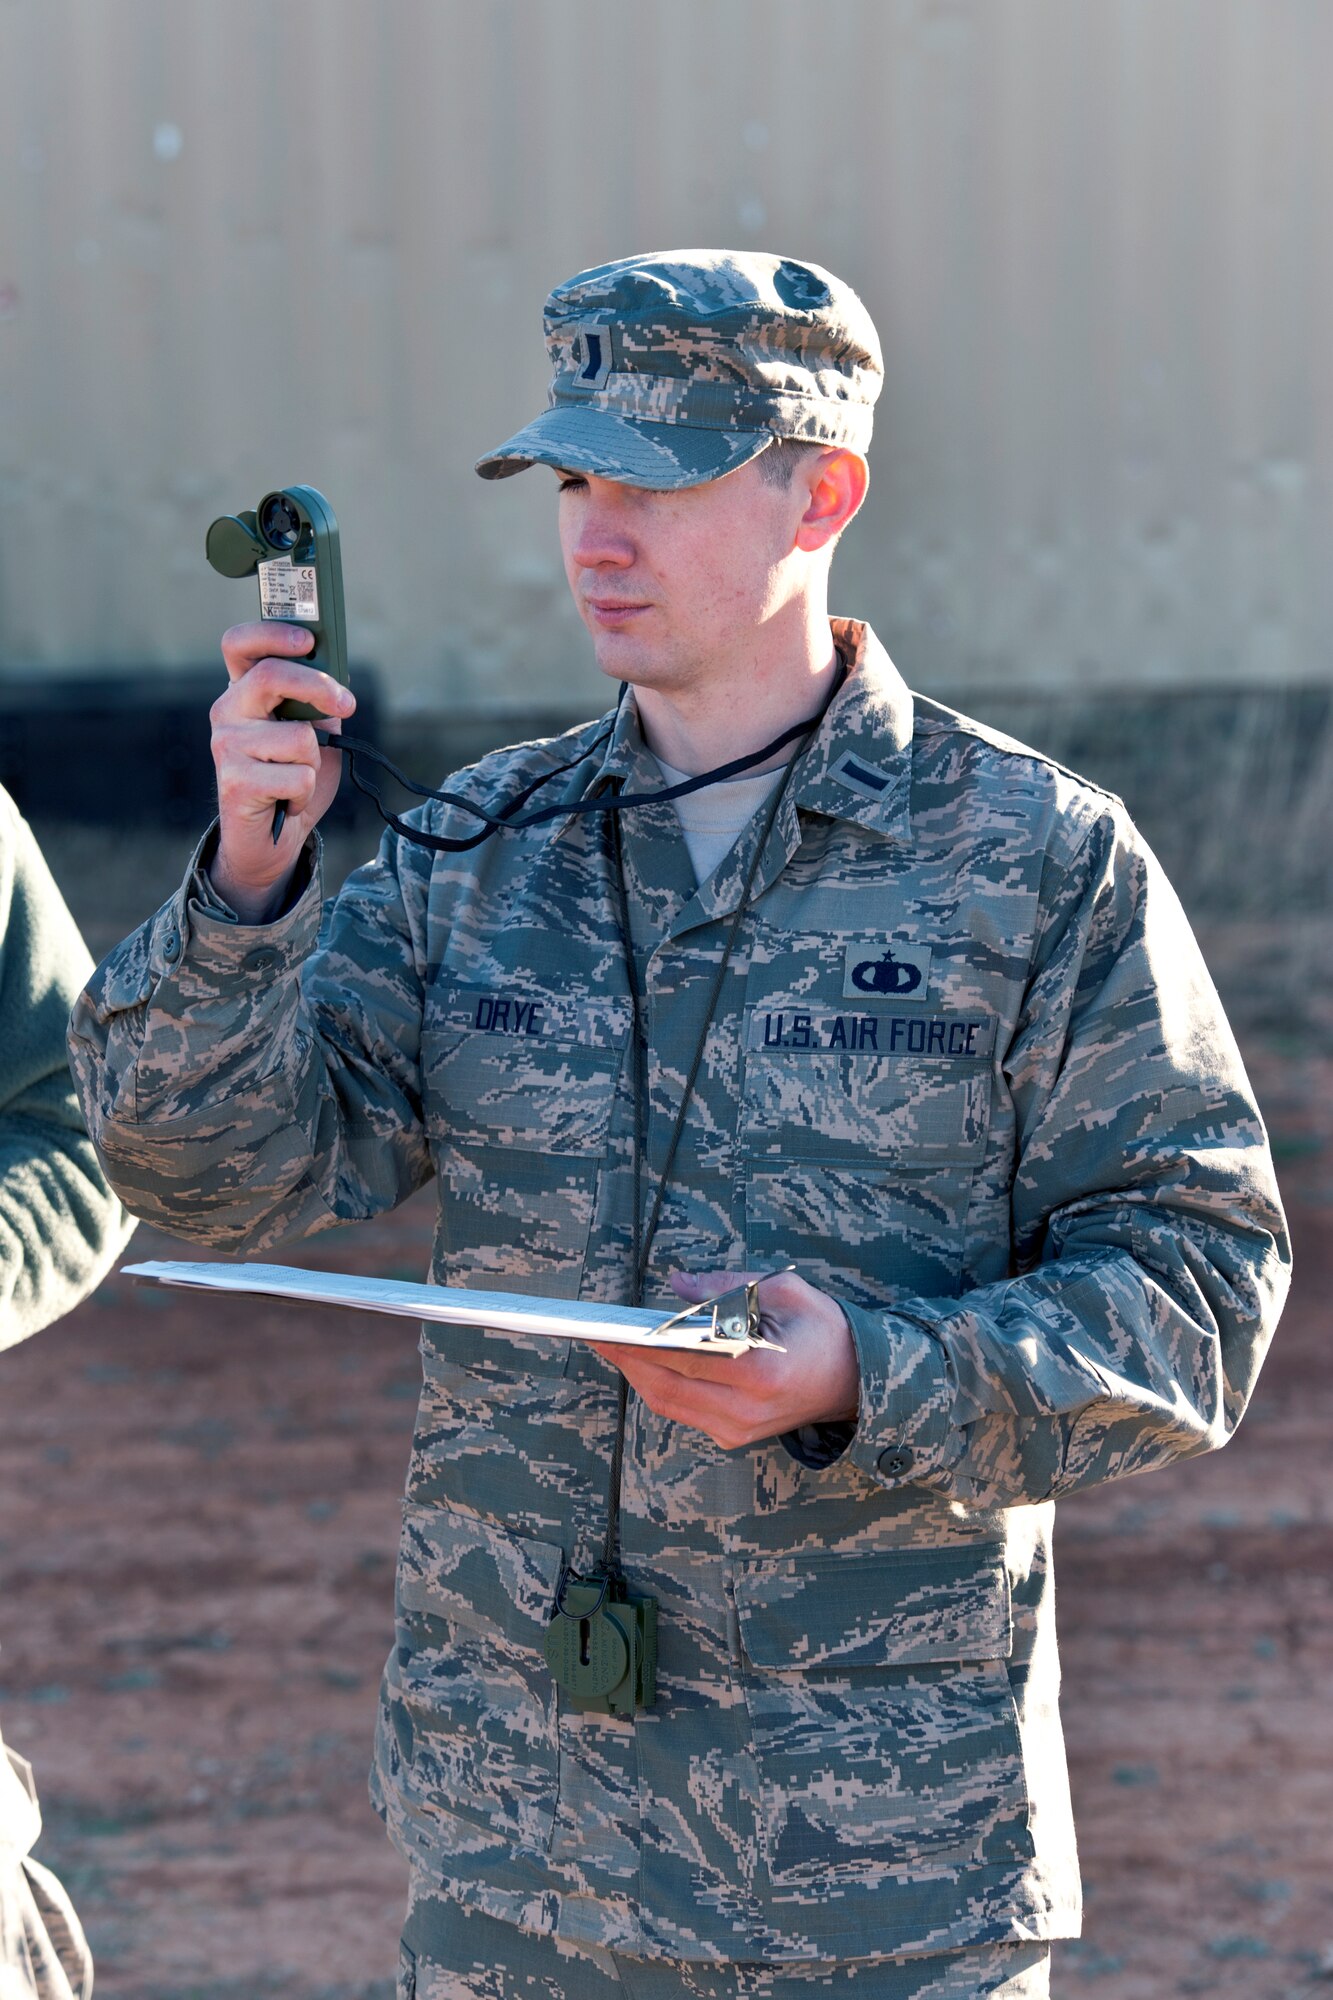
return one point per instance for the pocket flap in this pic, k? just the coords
(890, 1608)
(830, 1105)
(476, 1574)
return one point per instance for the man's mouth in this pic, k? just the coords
(613, 610)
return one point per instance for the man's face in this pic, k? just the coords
(676, 587)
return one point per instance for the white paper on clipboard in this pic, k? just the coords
(711, 1328)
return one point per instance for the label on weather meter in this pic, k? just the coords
(287, 590)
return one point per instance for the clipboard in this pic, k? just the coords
(727, 1324)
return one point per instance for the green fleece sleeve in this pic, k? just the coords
(60, 1225)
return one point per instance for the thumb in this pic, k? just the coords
(698, 1285)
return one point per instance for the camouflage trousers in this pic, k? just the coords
(452, 1953)
(43, 1952)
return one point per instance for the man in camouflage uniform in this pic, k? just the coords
(943, 1041)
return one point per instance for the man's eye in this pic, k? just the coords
(569, 481)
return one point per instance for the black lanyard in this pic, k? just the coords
(507, 820)
(601, 1643)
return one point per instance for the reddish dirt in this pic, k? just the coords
(200, 1503)
(200, 1507)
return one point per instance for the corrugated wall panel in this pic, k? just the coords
(249, 244)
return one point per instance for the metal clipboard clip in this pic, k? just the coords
(732, 1318)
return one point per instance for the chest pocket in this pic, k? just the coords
(859, 1157)
(518, 1093)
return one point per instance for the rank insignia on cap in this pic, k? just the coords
(592, 356)
(893, 971)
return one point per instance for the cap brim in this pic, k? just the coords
(630, 449)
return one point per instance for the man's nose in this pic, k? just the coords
(603, 540)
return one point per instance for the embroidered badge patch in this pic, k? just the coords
(894, 971)
(592, 357)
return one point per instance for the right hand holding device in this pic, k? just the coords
(261, 760)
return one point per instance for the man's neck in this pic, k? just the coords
(730, 717)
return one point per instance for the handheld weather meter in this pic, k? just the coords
(291, 543)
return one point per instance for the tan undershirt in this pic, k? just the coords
(714, 819)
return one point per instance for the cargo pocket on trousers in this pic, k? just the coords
(470, 1699)
(884, 1727)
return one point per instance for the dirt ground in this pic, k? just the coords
(198, 1513)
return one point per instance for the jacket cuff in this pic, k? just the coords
(818, 1445)
(904, 1431)
(199, 927)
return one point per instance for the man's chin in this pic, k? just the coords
(622, 657)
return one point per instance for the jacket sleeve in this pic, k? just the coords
(1150, 1256)
(60, 1225)
(250, 1083)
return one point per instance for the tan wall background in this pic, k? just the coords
(246, 244)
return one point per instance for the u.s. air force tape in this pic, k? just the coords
(957, 1037)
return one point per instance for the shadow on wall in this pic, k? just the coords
(130, 750)
(1233, 787)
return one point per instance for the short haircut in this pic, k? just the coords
(779, 460)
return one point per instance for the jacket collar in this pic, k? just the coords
(857, 768)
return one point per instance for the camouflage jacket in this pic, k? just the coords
(968, 1073)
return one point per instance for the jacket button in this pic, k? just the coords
(262, 960)
(171, 946)
(895, 1461)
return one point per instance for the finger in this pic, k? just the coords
(261, 638)
(246, 789)
(256, 692)
(665, 1390)
(260, 761)
(670, 1365)
(268, 742)
(717, 1410)
(700, 1285)
(779, 1290)
(779, 1297)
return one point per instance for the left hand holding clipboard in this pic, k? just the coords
(813, 1377)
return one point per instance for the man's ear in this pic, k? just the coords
(836, 482)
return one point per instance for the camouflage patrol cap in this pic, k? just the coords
(673, 368)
